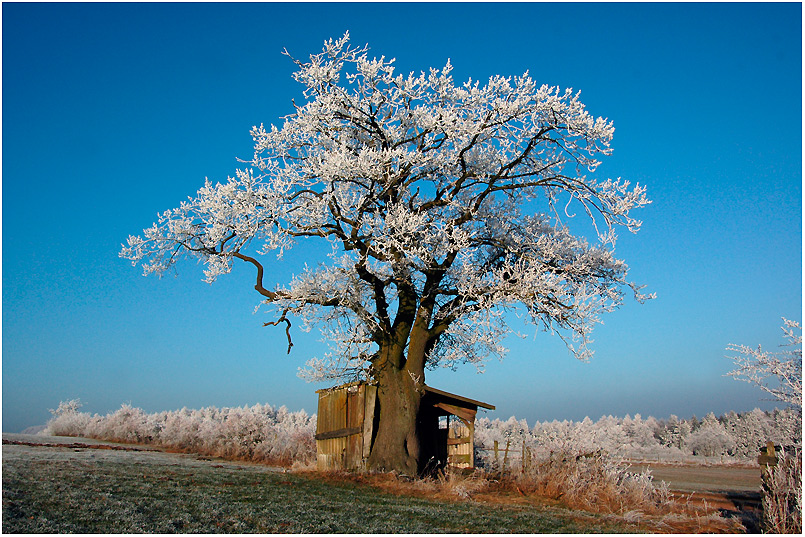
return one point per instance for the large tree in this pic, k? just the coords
(446, 206)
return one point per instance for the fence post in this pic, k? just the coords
(522, 458)
(506, 455)
(496, 452)
(767, 459)
(526, 457)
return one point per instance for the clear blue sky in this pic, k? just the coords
(112, 113)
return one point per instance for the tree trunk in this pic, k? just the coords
(400, 387)
(396, 446)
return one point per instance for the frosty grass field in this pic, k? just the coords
(79, 489)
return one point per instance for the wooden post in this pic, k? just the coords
(526, 457)
(522, 458)
(496, 452)
(506, 454)
(767, 460)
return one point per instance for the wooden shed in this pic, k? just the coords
(348, 416)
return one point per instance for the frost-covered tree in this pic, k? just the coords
(778, 374)
(710, 438)
(446, 207)
(638, 432)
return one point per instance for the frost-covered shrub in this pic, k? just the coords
(67, 420)
(710, 442)
(127, 424)
(182, 428)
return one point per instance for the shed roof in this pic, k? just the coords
(462, 401)
(458, 398)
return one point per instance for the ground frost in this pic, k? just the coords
(66, 490)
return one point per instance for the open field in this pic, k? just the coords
(692, 478)
(733, 490)
(84, 487)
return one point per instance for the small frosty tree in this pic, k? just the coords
(445, 206)
(782, 369)
(780, 375)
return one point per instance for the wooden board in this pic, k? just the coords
(370, 397)
(460, 445)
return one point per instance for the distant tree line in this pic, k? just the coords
(737, 435)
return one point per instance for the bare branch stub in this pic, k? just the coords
(285, 319)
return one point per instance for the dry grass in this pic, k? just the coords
(594, 482)
(595, 486)
(599, 483)
(782, 495)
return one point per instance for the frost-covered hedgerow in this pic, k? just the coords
(259, 433)
(263, 433)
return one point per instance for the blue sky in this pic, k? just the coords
(112, 113)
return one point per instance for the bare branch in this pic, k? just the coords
(259, 285)
(284, 319)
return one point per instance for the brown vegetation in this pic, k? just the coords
(782, 498)
(590, 485)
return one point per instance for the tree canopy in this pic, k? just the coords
(446, 206)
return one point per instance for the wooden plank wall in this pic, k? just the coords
(332, 411)
(330, 452)
(342, 426)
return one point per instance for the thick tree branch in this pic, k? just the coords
(271, 295)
